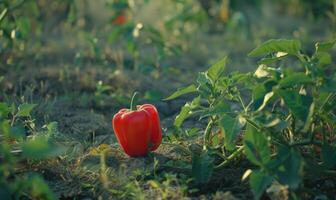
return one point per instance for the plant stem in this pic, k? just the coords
(330, 96)
(256, 126)
(230, 158)
(13, 120)
(248, 105)
(242, 103)
(207, 134)
(133, 101)
(179, 147)
(3, 14)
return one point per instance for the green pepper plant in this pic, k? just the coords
(22, 144)
(280, 117)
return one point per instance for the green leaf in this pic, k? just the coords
(219, 108)
(183, 115)
(329, 85)
(186, 111)
(24, 26)
(38, 147)
(216, 141)
(272, 59)
(323, 58)
(256, 146)
(259, 182)
(295, 79)
(241, 78)
(25, 109)
(231, 127)
(329, 156)
(204, 84)
(192, 132)
(217, 70)
(5, 128)
(72, 15)
(182, 91)
(115, 34)
(131, 47)
(324, 46)
(325, 102)
(202, 167)
(280, 45)
(17, 132)
(52, 128)
(258, 93)
(4, 110)
(40, 189)
(298, 104)
(290, 171)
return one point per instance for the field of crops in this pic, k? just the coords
(168, 99)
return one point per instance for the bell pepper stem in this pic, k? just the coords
(133, 101)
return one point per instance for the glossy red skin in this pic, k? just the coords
(120, 20)
(138, 132)
(156, 133)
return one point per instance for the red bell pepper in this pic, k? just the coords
(120, 18)
(138, 129)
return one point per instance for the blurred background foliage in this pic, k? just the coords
(122, 33)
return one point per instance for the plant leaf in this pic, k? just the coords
(258, 94)
(219, 108)
(324, 58)
(324, 46)
(280, 45)
(289, 172)
(182, 91)
(259, 182)
(204, 84)
(217, 70)
(329, 156)
(186, 111)
(273, 58)
(231, 127)
(295, 79)
(39, 147)
(298, 104)
(39, 188)
(4, 110)
(256, 146)
(329, 85)
(202, 167)
(25, 109)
